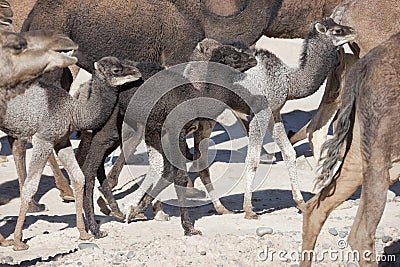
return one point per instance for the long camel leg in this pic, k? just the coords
(201, 162)
(41, 152)
(321, 205)
(372, 204)
(18, 149)
(67, 157)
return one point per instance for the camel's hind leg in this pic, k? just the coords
(372, 203)
(66, 192)
(322, 204)
(203, 132)
(67, 158)
(41, 152)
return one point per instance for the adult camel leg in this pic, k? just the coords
(67, 157)
(203, 132)
(372, 204)
(18, 149)
(41, 152)
(321, 205)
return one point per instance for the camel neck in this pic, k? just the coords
(317, 60)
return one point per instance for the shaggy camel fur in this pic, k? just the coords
(361, 15)
(278, 83)
(50, 117)
(368, 121)
(16, 51)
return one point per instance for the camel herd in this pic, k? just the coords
(125, 48)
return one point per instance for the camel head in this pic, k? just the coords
(115, 73)
(233, 54)
(25, 56)
(329, 29)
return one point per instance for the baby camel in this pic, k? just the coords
(16, 51)
(368, 120)
(49, 114)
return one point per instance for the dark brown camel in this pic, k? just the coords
(368, 122)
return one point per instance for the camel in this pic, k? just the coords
(368, 122)
(55, 116)
(386, 23)
(278, 83)
(18, 147)
(45, 56)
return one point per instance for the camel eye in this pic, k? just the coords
(339, 31)
(116, 71)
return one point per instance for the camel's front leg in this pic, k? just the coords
(67, 158)
(258, 127)
(41, 152)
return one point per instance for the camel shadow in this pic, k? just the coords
(10, 189)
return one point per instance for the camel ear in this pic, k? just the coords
(320, 28)
(200, 47)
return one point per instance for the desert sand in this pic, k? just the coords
(227, 240)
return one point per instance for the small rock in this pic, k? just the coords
(79, 263)
(8, 259)
(294, 265)
(224, 258)
(386, 239)
(352, 264)
(333, 231)
(220, 265)
(261, 231)
(390, 196)
(87, 245)
(131, 254)
(46, 232)
(203, 253)
(343, 234)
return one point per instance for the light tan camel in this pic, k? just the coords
(368, 122)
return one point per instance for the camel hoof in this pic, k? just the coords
(18, 246)
(100, 234)
(161, 216)
(193, 232)
(195, 193)
(251, 216)
(222, 211)
(7, 243)
(85, 236)
(35, 207)
(118, 215)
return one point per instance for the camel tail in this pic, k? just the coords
(332, 149)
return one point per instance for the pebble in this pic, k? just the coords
(343, 234)
(390, 196)
(386, 239)
(294, 265)
(87, 245)
(261, 231)
(203, 253)
(333, 231)
(131, 254)
(79, 263)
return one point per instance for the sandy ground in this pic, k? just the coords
(227, 240)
